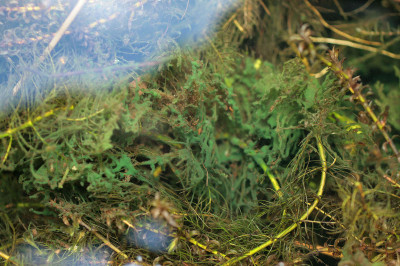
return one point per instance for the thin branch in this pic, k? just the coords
(349, 44)
(341, 33)
(71, 17)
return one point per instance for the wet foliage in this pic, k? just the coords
(263, 145)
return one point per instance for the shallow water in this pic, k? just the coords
(104, 42)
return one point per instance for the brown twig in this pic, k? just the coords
(264, 7)
(350, 44)
(360, 9)
(341, 33)
(105, 241)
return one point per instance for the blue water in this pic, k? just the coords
(107, 40)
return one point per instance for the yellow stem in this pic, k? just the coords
(303, 217)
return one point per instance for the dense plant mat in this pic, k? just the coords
(231, 153)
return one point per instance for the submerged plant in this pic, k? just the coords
(219, 157)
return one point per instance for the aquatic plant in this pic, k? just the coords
(218, 157)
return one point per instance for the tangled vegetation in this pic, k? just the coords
(260, 147)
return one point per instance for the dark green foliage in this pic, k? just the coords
(207, 136)
(200, 124)
(192, 147)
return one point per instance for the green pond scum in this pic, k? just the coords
(262, 146)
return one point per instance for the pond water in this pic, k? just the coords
(99, 42)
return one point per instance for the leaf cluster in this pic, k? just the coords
(216, 155)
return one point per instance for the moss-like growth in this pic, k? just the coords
(218, 156)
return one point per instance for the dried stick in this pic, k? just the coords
(102, 238)
(63, 28)
(56, 38)
(349, 44)
(341, 33)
